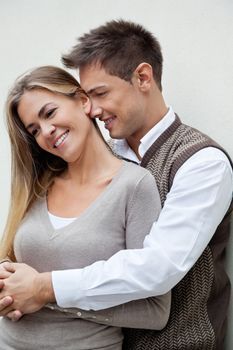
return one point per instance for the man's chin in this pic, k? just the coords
(115, 136)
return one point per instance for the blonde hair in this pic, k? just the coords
(32, 169)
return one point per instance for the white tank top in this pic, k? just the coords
(59, 222)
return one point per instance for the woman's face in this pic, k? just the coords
(59, 124)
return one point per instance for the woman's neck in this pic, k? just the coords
(96, 163)
(83, 181)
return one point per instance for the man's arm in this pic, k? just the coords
(143, 207)
(32, 290)
(199, 198)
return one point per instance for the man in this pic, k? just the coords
(120, 66)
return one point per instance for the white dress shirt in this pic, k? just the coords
(199, 197)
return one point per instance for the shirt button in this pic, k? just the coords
(79, 314)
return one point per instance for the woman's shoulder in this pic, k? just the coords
(134, 173)
(139, 183)
(135, 169)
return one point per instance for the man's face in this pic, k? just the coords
(116, 102)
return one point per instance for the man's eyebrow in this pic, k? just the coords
(95, 88)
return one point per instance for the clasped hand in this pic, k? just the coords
(19, 290)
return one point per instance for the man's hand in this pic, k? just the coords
(29, 289)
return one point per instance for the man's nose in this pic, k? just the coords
(96, 111)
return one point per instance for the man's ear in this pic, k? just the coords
(143, 76)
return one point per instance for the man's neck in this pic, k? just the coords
(134, 145)
(135, 140)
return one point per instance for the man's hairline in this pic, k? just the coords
(98, 65)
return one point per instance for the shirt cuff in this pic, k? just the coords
(67, 286)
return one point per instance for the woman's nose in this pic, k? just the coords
(47, 129)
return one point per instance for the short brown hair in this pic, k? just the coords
(119, 47)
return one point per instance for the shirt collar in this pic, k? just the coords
(122, 148)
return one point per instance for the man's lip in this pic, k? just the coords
(57, 138)
(105, 119)
(108, 122)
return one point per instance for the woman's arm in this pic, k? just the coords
(5, 260)
(150, 313)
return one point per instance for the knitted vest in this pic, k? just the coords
(200, 301)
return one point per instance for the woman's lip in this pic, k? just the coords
(59, 140)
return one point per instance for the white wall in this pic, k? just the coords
(196, 37)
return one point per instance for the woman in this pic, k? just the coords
(72, 203)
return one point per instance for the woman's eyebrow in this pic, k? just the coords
(42, 110)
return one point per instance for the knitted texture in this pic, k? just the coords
(194, 298)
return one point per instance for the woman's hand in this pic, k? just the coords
(4, 273)
(6, 301)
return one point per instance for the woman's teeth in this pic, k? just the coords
(61, 139)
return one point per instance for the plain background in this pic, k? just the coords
(197, 42)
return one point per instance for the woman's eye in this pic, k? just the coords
(50, 112)
(34, 132)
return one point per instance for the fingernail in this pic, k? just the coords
(16, 316)
(7, 301)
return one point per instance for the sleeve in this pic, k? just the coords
(143, 210)
(198, 200)
(5, 260)
(151, 313)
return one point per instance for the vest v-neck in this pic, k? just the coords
(52, 232)
(160, 141)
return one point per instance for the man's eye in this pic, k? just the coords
(101, 93)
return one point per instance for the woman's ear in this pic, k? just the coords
(86, 103)
(143, 76)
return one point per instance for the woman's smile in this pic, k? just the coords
(60, 140)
